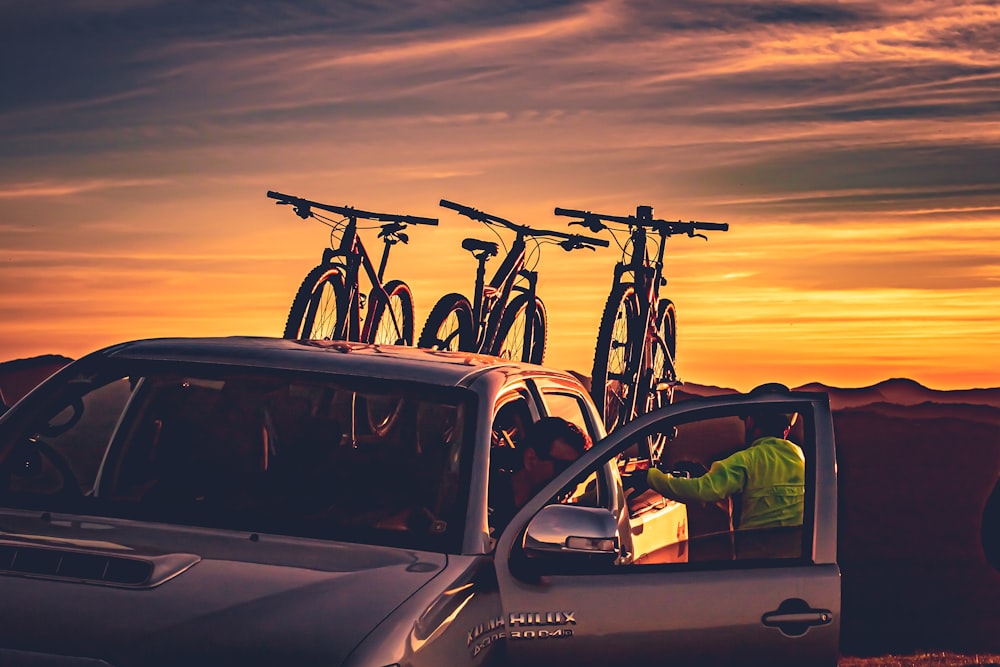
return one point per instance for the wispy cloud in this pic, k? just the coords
(49, 189)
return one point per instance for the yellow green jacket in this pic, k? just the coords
(770, 474)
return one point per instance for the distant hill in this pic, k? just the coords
(895, 391)
(19, 376)
(901, 391)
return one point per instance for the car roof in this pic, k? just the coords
(395, 362)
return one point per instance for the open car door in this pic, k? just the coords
(577, 590)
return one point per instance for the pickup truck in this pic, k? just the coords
(275, 502)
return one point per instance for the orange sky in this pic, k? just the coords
(851, 147)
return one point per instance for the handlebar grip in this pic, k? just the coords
(718, 226)
(592, 241)
(271, 194)
(452, 205)
(417, 220)
(572, 212)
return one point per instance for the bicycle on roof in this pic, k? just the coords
(329, 302)
(634, 359)
(505, 317)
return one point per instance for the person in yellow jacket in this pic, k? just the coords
(769, 476)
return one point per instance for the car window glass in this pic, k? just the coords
(318, 456)
(723, 495)
(569, 407)
(512, 418)
(730, 501)
(60, 451)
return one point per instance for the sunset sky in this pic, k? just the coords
(854, 149)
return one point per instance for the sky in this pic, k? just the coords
(853, 148)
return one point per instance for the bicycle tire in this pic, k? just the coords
(658, 372)
(319, 305)
(658, 376)
(514, 339)
(382, 413)
(392, 320)
(616, 357)
(449, 325)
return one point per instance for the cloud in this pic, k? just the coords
(48, 189)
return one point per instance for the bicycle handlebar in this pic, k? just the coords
(595, 222)
(302, 207)
(572, 241)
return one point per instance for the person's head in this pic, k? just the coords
(550, 446)
(766, 423)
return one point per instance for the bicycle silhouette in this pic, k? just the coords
(634, 359)
(329, 302)
(505, 318)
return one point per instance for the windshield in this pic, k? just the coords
(313, 455)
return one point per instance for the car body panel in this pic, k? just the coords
(266, 596)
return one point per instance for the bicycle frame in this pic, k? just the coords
(646, 280)
(489, 301)
(356, 258)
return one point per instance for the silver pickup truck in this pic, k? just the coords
(274, 502)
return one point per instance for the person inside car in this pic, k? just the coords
(549, 447)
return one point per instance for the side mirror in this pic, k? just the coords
(571, 529)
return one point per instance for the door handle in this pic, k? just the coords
(794, 617)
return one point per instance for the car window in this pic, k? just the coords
(742, 490)
(60, 451)
(568, 406)
(313, 455)
(513, 416)
(726, 499)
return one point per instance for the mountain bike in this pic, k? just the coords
(505, 318)
(634, 359)
(329, 302)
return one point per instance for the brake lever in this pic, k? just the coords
(301, 210)
(570, 244)
(692, 234)
(391, 228)
(593, 225)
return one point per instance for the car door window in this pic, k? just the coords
(727, 488)
(718, 495)
(568, 406)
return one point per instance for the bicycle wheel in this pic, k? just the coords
(449, 325)
(619, 343)
(392, 320)
(658, 375)
(515, 340)
(382, 412)
(319, 305)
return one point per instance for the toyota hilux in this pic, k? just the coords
(266, 501)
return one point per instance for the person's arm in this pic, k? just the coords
(722, 480)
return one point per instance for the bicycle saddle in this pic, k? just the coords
(490, 248)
